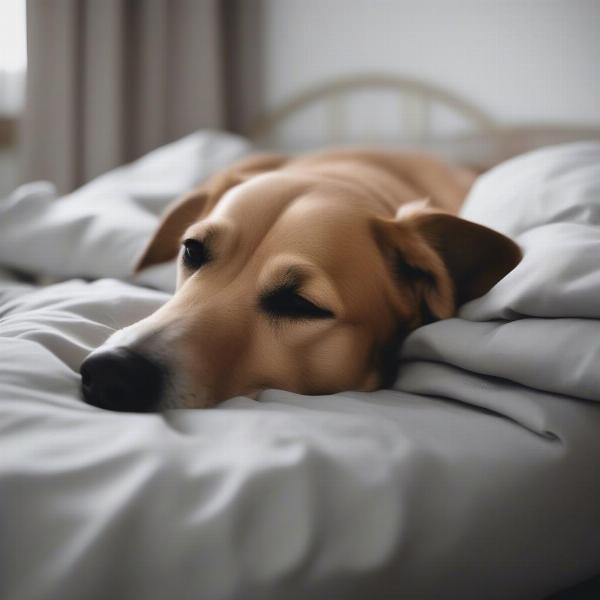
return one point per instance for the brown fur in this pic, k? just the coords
(368, 251)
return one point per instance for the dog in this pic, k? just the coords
(303, 274)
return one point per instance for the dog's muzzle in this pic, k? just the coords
(123, 380)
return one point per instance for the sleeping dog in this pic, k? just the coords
(301, 274)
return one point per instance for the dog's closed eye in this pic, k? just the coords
(285, 302)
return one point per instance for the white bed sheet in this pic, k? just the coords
(476, 477)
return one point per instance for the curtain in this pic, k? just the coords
(109, 80)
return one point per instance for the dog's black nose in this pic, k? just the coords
(121, 379)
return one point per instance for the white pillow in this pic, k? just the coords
(559, 184)
(100, 229)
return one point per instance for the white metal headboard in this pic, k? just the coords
(416, 99)
(484, 141)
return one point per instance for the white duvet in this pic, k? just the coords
(478, 476)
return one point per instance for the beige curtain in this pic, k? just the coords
(109, 80)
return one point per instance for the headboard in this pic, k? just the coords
(330, 113)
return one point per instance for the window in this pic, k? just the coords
(13, 63)
(13, 56)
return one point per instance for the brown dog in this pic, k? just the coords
(300, 274)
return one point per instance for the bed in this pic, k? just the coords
(476, 475)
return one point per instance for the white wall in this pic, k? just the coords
(521, 60)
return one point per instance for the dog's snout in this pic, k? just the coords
(121, 379)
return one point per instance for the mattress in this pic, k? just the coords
(476, 475)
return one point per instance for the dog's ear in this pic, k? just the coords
(448, 260)
(164, 244)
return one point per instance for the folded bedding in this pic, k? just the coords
(476, 476)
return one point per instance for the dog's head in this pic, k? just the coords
(289, 280)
